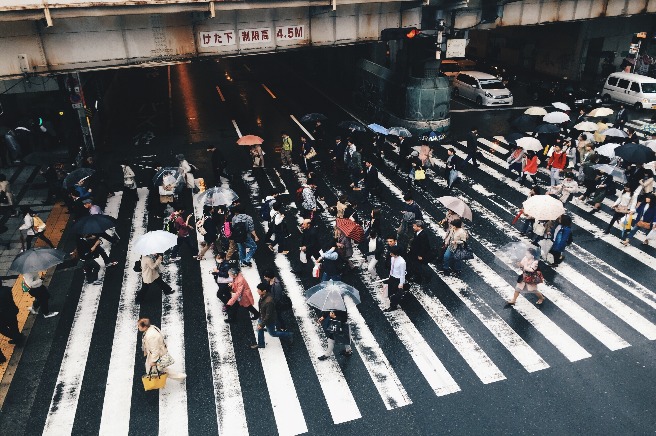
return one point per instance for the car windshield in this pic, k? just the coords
(491, 84)
(450, 68)
(649, 88)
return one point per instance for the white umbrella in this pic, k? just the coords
(651, 144)
(556, 117)
(543, 207)
(535, 110)
(615, 132)
(157, 241)
(616, 172)
(607, 150)
(529, 143)
(217, 196)
(561, 106)
(601, 112)
(586, 126)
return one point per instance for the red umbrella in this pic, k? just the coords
(250, 140)
(351, 229)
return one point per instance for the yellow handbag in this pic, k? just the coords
(154, 381)
(420, 174)
(629, 222)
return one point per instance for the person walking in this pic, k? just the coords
(6, 196)
(222, 278)
(354, 163)
(280, 298)
(36, 288)
(209, 232)
(530, 277)
(243, 233)
(451, 169)
(219, 165)
(38, 230)
(472, 147)
(185, 170)
(150, 275)
(454, 239)
(183, 229)
(530, 167)
(621, 207)
(562, 237)
(8, 317)
(268, 318)
(129, 181)
(286, 151)
(621, 117)
(257, 157)
(280, 231)
(241, 296)
(556, 163)
(418, 253)
(644, 219)
(155, 351)
(309, 248)
(371, 180)
(329, 262)
(325, 319)
(396, 280)
(308, 199)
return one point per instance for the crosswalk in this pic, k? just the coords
(599, 309)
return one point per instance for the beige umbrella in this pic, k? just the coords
(456, 205)
(601, 112)
(535, 110)
(561, 106)
(543, 207)
(586, 126)
(529, 143)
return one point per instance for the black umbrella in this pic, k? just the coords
(94, 224)
(514, 136)
(37, 259)
(524, 123)
(352, 125)
(547, 128)
(74, 177)
(308, 118)
(635, 153)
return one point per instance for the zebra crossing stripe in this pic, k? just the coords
(115, 419)
(514, 343)
(334, 386)
(63, 406)
(284, 400)
(173, 419)
(637, 254)
(494, 146)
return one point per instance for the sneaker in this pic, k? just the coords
(97, 282)
(324, 357)
(110, 264)
(390, 309)
(247, 264)
(51, 314)
(33, 311)
(174, 258)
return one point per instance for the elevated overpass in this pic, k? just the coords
(52, 36)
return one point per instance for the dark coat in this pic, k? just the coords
(561, 239)
(472, 142)
(267, 310)
(371, 181)
(8, 306)
(414, 208)
(648, 216)
(419, 247)
(310, 240)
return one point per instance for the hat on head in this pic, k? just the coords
(87, 201)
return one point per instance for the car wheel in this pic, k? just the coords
(606, 98)
(455, 92)
(638, 106)
(479, 101)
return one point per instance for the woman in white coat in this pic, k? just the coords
(155, 350)
(185, 169)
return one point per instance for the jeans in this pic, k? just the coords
(448, 257)
(630, 233)
(453, 175)
(245, 257)
(554, 175)
(325, 277)
(271, 328)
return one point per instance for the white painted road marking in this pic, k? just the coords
(234, 123)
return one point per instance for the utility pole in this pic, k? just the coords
(440, 39)
(76, 96)
(634, 48)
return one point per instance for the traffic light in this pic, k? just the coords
(399, 33)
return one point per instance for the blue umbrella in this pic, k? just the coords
(378, 128)
(400, 131)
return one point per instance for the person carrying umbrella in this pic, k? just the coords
(185, 170)
(530, 277)
(455, 237)
(268, 318)
(150, 275)
(332, 316)
(34, 284)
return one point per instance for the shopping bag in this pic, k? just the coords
(420, 174)
(303, 257)
(316, 270)
(154, 380)
(165, 361)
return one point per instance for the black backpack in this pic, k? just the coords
(239, 232)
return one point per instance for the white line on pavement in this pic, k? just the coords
(234, 123)
(302, 127)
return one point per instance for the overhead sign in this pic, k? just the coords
(217, 38)
(455, 48)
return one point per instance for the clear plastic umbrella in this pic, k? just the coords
(330, 295)
(168, 175)
(377, 128)
(607, 150)
(510, 254)
(616, 172)
(217, 196)
(615, 132)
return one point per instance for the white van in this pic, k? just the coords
(485, 89)
(631, 89)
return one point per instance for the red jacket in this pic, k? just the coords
(557, 160)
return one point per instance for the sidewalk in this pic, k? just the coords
(29, 189)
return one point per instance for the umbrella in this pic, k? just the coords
(45, 158)
(157, 241)
(616, 172)
(615, 132)
(547, 128)
(351, 229)
(330, 295)
(456, 205)
(250, 140)
(543, 207)
(512, 253)
(171, 174)
(651, 144)
(37, 259)
(649, 128)
(432, 136)
(529, 143)
(524, 123)
(586, 126)
(218, 196)
(601, 112)
(607, 150)
(561, 106)
(556, 117)
(94, 224)
(308, 118)
(377, 128)
(536, 111)
(635, 153)
(400, 131)
(514, 136)
(351, 125)
(76, 176)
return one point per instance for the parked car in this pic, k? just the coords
(507, 78)
(485, 89)
(631, 89)
(567, 91)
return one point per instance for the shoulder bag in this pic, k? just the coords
(533, 278)
(463, 252)
(311, 154)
